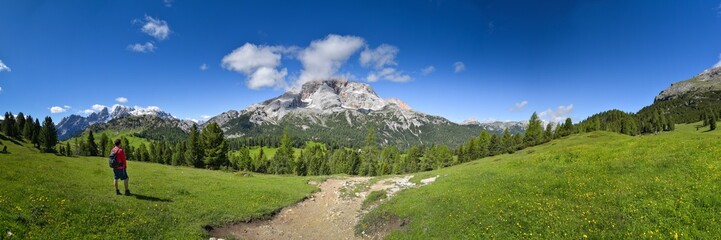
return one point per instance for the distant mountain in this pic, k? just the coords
(341, 111)
(687, 101)
(707, 81)
(73, 125)
(499, 126)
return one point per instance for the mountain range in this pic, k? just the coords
(331, 111)
(339, 111)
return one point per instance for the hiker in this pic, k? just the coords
(120, 172)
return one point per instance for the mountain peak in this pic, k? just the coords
(708, 80)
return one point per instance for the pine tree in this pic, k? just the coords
(259, 162)
(483, 142)
(28, 128)
(534, 132)
(283, 158)
(92, 146)
(215, 147)
(142, 153)
(548, 135)
(48, 135)
(568, 128)
(712, 121)
(127, 148)
(67, 149)
(507, 141)
(245, 163)
(19, 124)
(103, 145)
(36, 133)
(194, 152)
(9, 125)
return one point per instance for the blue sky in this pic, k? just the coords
(482, 59)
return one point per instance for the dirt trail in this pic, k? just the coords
(331, 213)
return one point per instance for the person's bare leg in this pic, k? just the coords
(126, 184)
(115, 183)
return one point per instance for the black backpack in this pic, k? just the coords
(112, 162)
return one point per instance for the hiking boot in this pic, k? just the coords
(127, 192)
(117, 192)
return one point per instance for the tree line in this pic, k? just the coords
(43, 137)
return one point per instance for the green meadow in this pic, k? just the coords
(597, 185)
(44, 196)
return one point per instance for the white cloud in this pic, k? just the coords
(259, 64)
(382, 59)
(121, 100)
(4, 67)
(323, 58)
(388, 74)
(383, 55)
(156, 28)
(205, 116)
(168, 3)
(718, 64)
(94, 108)
(459, 67)
(558, 115)
(428, 70)
(203, 67)
(142, 48)
(519, 106)
(57, 109)
(67, 107)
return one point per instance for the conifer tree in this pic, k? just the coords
(92, 147)
(507, 141)
(194, 152)
(103, 145)
(67, 149)
(28, 129)
(283, 158)
(568, 128)
(548, 135)
(127, 148)
(36, 133)
(215, 147)
(712, 121)
(484, 142)
(534, 132)
(48, 135)
(19, 124)
(245, 163)
(142, 153)
(259, 162)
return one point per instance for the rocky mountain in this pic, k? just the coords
(707, 81)
(73, 125)
(499, 126)
(341, 111)
(689, 100)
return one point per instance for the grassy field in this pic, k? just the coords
(596, 185)
(49, 197)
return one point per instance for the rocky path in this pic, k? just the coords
(330, 213)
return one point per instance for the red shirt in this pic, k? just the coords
(120, 157)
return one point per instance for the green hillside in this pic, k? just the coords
(598, 185)
(44, 196)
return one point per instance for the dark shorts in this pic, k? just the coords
(120, 174)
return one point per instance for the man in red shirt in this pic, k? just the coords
(120, 171)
